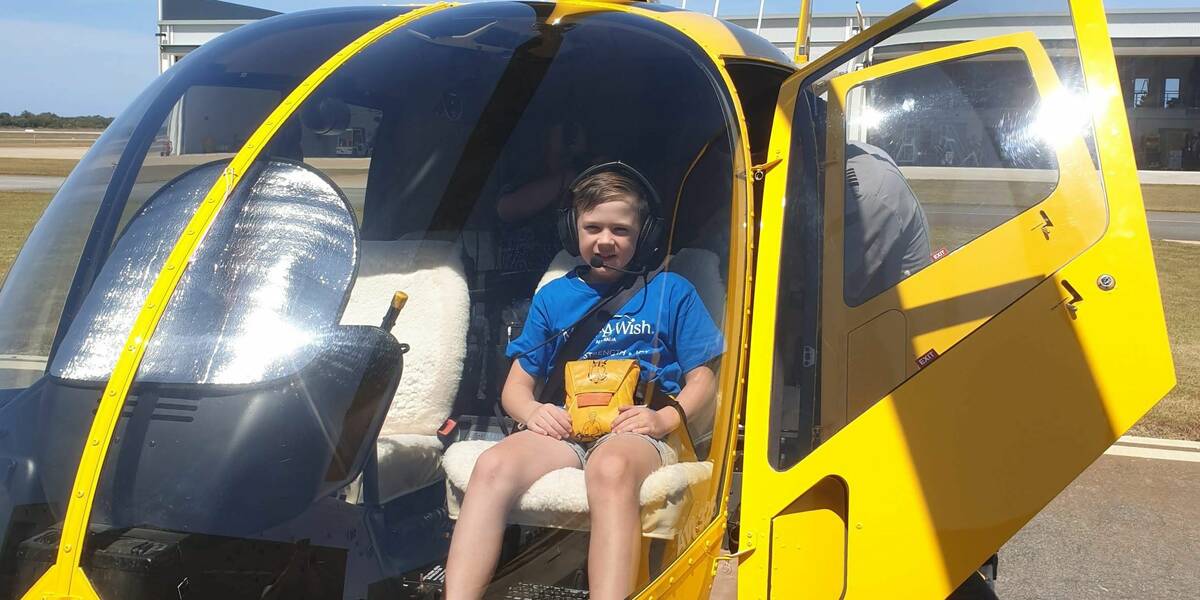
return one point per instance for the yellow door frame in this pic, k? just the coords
(886, 508)
(970, 285)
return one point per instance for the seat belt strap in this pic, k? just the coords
(583, 332)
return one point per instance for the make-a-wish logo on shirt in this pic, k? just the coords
(624, 325)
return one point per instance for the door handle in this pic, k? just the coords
(1072, 302)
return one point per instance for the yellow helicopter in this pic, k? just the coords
(928, 257)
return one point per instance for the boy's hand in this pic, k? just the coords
(640, 419)
(550, 420)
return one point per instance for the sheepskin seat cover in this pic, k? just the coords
(434, 325)
(407, 462)
(559, 498)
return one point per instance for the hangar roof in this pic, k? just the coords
(210, 10)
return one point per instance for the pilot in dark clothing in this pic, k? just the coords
(887, 235)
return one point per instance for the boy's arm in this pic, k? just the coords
(518, 401)
(699, 388)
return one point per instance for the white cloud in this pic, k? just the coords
(72, 69)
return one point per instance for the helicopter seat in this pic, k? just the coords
(434, 325)
(559, 498)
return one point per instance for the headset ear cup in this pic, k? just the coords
(649, 250)
(566, 231)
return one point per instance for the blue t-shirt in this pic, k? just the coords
(664, 326)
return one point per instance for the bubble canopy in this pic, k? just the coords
(135, 157)
(272, 415)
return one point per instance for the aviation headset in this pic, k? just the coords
(647, 254)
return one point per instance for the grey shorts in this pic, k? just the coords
(666, 454)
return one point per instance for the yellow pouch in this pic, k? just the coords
(596, 389)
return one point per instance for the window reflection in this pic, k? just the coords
(1171, 92)
(200, 110)
(1162, 95)
(919, 170)
(938, 155)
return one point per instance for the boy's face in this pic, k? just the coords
(609, 231)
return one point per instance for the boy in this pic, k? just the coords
(664, 326)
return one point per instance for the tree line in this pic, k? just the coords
(49, 120)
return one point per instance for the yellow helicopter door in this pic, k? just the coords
(955, 303)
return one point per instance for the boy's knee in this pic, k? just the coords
(493, 471)
(611, 472)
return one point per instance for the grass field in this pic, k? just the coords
(20, 211)
(36, 166)
(1179, 198)
(14, 143)
(1178, 415)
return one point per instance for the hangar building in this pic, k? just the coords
(1158, 57)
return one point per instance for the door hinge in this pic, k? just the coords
(1045, 225)
(746, 548)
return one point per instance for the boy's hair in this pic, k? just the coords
(608, 186)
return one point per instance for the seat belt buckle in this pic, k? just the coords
(446, 432)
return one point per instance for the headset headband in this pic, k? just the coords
(650, 195)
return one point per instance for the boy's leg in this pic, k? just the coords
(501, 475)
(615, 471)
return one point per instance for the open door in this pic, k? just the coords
(955, 304)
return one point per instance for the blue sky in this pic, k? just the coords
(78, 57)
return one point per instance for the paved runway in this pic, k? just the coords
(57, 153)
(33, 183)
(1175, 226)
(1163, 225)
(1127, 528)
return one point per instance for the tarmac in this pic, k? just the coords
(1127, 528)
(1164, 225)
(31, 183)
(68, 153)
